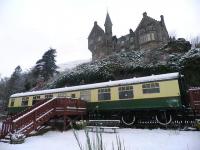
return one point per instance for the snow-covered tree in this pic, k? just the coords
(46, 66)
(135, 64)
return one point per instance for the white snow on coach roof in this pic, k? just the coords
(103, 84)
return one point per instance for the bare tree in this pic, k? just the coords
(172, 35)
(195, 41)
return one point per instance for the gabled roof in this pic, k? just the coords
(96, 29)
(146, 20)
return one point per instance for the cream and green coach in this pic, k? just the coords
(127, 99)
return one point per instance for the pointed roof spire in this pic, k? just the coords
(108, 20)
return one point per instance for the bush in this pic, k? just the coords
(78, 125)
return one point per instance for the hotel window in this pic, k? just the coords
(152, 36)
(99, 38)
(131, 39)
(25, 101)
(147, 37)
(104, 94)
(125, 92)
(122, 43)
(151, 88)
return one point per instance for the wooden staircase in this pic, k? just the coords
(32, 118)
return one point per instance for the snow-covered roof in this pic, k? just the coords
(134, 80)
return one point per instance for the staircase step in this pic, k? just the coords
(5, 140)
(7, 137)
(26, 121)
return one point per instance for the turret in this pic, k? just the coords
(95, 23)
(144, 14)
(165, 35)
(108, 25)
(162, 20)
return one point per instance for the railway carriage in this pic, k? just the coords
(159, 97)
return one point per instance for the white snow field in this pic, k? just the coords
(133, 139)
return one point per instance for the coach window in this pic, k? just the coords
(151, 88)
(25, 101)
(85, 95)
(104, 94)
(61, 94)
(48, 96)
(35, 99)
(12, 102)
(125, 92)
(73, 95)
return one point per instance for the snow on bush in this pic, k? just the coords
(17, 138)
(123, 63)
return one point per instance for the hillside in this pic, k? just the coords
(70, 65)
(133, 64)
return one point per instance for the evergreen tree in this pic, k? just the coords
(15, 81)
(4, 91)
(46, 67)
(29, 81)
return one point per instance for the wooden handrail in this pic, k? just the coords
(30, 120)
(27, 109)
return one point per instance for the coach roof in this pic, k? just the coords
(134, 80)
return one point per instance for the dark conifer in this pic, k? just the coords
(15, 83)
(46, 67)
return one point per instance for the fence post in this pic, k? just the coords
(34, 121)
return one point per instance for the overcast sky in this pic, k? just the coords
(28, 28)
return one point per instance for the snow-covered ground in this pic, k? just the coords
(133, 139)
(72, 64)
